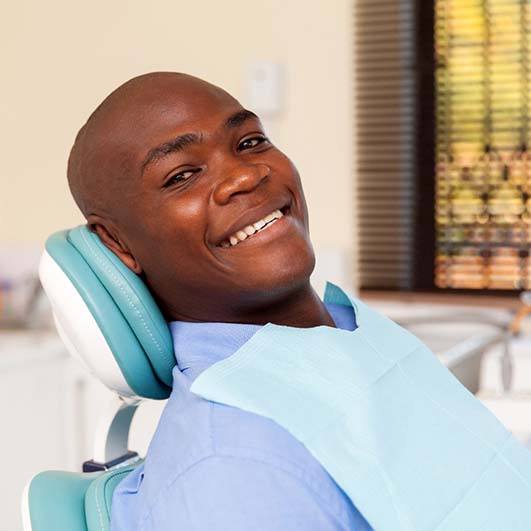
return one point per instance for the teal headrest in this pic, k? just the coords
(123, 308)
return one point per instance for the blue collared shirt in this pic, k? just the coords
(211, 467)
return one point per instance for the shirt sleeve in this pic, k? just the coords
(233, 494)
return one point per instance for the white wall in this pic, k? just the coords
(60, 58)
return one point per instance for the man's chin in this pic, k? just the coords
(276, 272)
(274, 260)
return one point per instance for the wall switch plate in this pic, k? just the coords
(265, 82)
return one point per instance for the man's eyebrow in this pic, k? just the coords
(175, 145)
(239, 117)
(182, 141)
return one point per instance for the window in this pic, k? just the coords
(444, 173)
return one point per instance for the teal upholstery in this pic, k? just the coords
(125, 311)
(99, 496)
(133, 298)
(68, 501)
(57, 500)
(139, 339)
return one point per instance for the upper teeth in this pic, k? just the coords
(244, 233)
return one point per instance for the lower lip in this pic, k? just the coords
(271, 232)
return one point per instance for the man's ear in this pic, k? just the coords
(113, 242)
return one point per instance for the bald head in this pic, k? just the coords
(101, 161)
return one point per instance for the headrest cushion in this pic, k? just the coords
(132, 297)
(123, 307)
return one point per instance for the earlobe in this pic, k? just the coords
(116, 245)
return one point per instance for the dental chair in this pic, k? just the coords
(108, 319)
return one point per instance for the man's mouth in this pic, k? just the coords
(250, 230)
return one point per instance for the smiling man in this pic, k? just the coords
(182, 183)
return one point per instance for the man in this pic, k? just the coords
(182, 183)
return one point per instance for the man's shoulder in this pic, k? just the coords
(206, 441)
(203, 429)
(238, 430)
(195, 434)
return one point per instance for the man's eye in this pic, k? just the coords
(178, 177)
(250, 143)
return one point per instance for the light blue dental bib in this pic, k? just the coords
(409, 445)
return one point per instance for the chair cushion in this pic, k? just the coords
(126, 314)
(132, 297)
(73, 501)
(56, 500)
(98, 498)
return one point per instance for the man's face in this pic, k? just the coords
(204, 175)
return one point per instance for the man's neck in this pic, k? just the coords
(301, 309)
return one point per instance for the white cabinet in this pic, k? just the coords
(33, 401)
(49, 408)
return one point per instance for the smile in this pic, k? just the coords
(248, 231)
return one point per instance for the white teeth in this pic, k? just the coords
(249, 230)
(259, 224)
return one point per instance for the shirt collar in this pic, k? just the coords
(198, 345)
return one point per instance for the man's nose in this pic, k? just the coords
(242, 178)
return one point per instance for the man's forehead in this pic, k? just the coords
(142, 120)
(176, 104)
(172, 109)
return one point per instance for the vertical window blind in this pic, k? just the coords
(385, 137)
(483, 167)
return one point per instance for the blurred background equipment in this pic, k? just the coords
(523, 311)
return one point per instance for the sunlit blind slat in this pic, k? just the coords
(483, 165)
